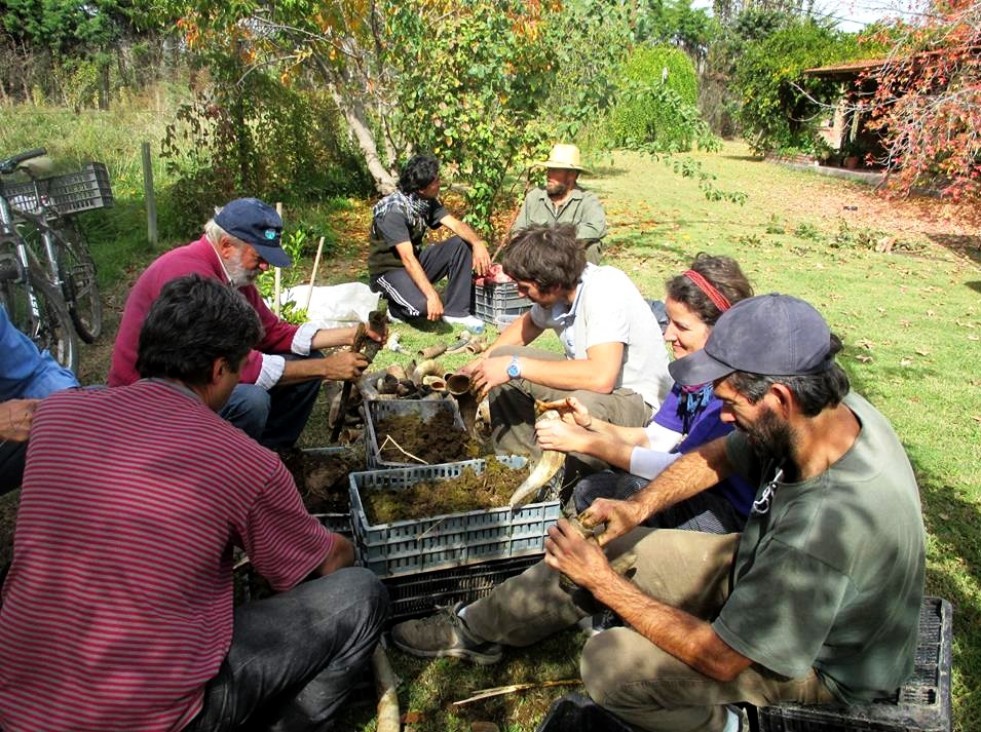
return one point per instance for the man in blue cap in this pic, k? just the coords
(281, 378)
(817, 601)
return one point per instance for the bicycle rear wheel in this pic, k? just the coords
(39, 312)
(80, 285)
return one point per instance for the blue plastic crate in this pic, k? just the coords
(449, 540)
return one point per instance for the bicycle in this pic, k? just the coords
(33, 304)
(71, 268)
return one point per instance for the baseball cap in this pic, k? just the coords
(257, 223)
(771, 335)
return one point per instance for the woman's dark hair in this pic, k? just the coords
(546, 255)
(418, 172)
(814, 392)
(722, 273)
(193, 322)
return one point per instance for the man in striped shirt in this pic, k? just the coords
(118, 609)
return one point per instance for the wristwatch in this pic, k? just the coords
(514, 368)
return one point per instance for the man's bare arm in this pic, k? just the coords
(341, 555)
(687, 638)
(690, 474)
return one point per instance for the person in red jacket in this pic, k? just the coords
(281, 377)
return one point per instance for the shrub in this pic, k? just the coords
(658, 94)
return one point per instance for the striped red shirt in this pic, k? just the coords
(118, 606)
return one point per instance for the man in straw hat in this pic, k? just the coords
(816, 601)
(562, 201)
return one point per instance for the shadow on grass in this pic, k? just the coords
(976, 286)
(965, 245)
(744, 158)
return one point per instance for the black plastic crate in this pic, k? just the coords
(578, 713)
(499, 303)
(421, 594)
(921, 705)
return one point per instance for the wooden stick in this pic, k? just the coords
(388, 700)
(313, 275)
(278, 274)
(389, 438)
(500, 690)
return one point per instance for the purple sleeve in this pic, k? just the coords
(667, 414)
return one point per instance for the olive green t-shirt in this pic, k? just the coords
(831, 576)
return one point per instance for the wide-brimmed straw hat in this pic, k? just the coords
(563, 157)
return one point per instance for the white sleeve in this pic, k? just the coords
(271, 371)
(661, 438)
(649, 463)
(303, 338)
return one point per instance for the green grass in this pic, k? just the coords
(911, 321)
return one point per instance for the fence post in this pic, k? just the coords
(148, 196)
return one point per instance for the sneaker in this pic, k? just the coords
(392, 318)
(470, 322)
(444, 634)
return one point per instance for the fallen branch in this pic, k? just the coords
(388, 700)
(501, 690)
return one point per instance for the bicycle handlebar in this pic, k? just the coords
(9, 165)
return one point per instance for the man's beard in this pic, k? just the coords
(772, 439)
(237, 273)
(555, 189)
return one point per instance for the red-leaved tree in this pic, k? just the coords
(927, 103)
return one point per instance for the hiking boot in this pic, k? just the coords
(444, 634)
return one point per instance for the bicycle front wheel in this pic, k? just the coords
(36, 308)
(80, 285)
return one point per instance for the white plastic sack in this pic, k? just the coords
(336, 305)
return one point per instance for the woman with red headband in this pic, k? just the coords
(688, 418)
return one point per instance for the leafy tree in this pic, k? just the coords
(658, 95)
(461, 79)
(927, 103)
(779, 104)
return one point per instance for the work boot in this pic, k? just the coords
(444, 634)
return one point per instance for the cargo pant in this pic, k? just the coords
(623, 671)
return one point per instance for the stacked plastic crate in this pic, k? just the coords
(442, 559)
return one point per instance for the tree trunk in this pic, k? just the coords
(352, 107)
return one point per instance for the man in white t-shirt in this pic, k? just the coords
(615, 361)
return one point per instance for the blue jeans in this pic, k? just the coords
(294, 656)
(273, 418)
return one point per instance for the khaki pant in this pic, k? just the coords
(512, 407)
(623, 671)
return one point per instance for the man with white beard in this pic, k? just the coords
(281, 378)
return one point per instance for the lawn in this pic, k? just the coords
(910, 318)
